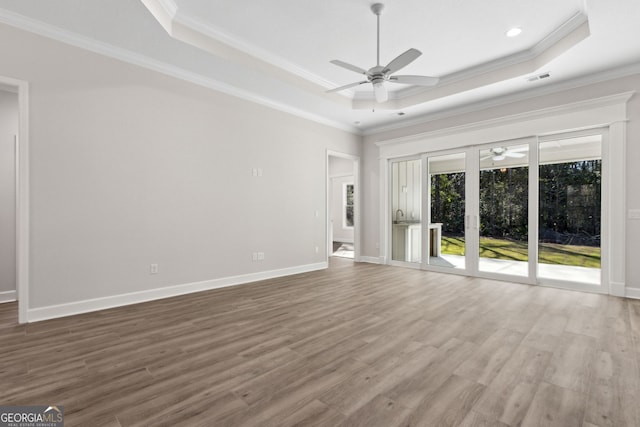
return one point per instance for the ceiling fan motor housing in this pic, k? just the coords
(376, 8)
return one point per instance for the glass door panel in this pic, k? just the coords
(406, 211)
(446, 201)
(504, 210)
(570, 174)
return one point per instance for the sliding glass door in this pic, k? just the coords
(446, 208)
(504, 209)
(570, 209)
(527, 210)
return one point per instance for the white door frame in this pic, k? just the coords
(22, 196)
(356, 203)
(532, 241)
(470, 210)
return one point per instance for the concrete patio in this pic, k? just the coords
(520, 268)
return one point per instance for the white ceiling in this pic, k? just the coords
(278, 52)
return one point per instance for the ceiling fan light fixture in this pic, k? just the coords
(380, 92)
(513, 32)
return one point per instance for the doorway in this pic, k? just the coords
(342, 206)
(14, 172)
(8, 195)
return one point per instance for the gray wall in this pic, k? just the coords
(130, 167)
(8, 128)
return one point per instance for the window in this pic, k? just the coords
(348, 205)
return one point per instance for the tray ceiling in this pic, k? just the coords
(278, 52)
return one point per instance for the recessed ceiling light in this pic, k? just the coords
(515, 31)
(401, 113)
(357, 123)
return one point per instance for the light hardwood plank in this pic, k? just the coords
(572, 363)
(485, 363)
(509, 395)
(615, 385)
(448, 405)
(555, 406)
(356, 344)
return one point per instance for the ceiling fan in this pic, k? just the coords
(501, 153)
(379, 74)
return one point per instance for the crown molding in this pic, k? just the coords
(169, 16)
(550, 89)
(163, 11)
(604, 101)
(189, 29)
(254, 51)
(169, 6)
(70, 38)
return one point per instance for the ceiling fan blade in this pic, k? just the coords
(499, 157)
(486, 157)
(348, 66)
(415, 80)
(515, 155)
(350, 85)
(402, 61)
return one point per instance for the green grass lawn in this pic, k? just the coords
(550, 253)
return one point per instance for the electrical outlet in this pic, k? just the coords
(153, 269)
(317, 249)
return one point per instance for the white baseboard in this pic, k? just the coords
(8, 296)
(617, 289)
(79, 307)
(370, 259)
(633, 293)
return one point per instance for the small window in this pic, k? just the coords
(348, 205)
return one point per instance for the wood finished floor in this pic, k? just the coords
(355, 345)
